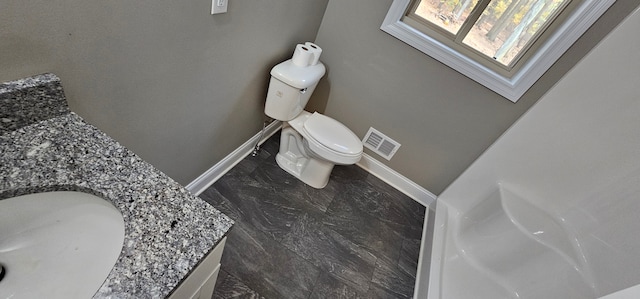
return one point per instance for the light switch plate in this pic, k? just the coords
(219, 6)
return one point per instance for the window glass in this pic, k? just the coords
(499, 30)
(448, 15)
(507, 29)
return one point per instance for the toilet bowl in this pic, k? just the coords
(312, 144)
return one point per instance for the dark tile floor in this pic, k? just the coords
(356, 238)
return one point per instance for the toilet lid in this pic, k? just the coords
(332, 134)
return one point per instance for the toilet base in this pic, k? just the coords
(294, 159)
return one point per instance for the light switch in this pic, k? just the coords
(218, 6)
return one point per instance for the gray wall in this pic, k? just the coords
(176, 85)
(183, 88)
(443, 120)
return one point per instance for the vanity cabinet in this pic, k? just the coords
(201, 281)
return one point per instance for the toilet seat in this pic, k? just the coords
(328, 138)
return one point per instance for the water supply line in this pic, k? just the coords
(256, 148)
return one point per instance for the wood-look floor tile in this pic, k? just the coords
(265, 266)
(259, 205)
(329, 287)
(213, 197)
(345, 174)
(392, 278)
(396, 210)
(406, 207)
(288, 186)
(230, 287)
(408, 261)
(325, 248)
(377, 292)
(355, 238)
(363, 229)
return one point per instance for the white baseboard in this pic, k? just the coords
(368, 163)
(210, 176)
(398, 181)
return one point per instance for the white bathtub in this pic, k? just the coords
(505, 247)
(552, 208)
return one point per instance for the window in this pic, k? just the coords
(505, 45)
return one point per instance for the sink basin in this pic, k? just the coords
(57, 244)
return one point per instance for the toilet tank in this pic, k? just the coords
(290, 88)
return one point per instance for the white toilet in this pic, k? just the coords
(310, 143)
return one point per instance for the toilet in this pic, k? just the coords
(310, 143)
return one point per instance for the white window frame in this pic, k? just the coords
(511, 88)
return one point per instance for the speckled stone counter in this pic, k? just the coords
(30, 100)
(167, 230)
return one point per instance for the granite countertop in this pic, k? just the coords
(167, 229)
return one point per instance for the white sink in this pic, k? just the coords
(57, 244)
